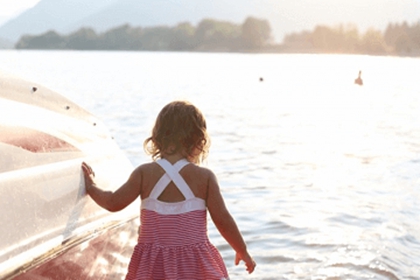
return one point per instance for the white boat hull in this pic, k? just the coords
(46, 216)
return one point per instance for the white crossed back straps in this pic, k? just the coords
(172, 174)
(191, 203)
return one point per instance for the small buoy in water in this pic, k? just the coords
(34, 89)
(359, 80)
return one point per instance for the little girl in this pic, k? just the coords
(175, 194)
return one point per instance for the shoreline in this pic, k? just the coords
(267, 50)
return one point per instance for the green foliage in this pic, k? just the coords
(208, 35)
(211, 34)
(255, 33)
(397, 39)
(373, 42)
(84, 38)
(182, 37)
(48, 40)
(252, 35)
(403, 38)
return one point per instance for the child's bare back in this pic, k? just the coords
(195, 176)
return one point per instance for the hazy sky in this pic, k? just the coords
(375, 13)
(9, 8)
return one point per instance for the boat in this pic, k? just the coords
(50, 228)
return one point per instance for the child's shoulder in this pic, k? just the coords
(146, 168)
(202, 171)
(148, 165)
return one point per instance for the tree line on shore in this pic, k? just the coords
(397, 39)
(209, 35)
(252, 35)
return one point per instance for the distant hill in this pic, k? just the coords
(5, 44)
(65, 16)
(165, 12)
(51, 14)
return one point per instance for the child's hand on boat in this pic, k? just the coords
(89, 175)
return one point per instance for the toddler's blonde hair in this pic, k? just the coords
(180, 126)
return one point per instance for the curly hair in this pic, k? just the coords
(179, 127)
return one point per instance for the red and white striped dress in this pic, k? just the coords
(173, 241)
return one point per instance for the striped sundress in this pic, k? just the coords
(173, 241)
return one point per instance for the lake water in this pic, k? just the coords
(321, 175)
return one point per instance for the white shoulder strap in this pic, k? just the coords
(172, 175)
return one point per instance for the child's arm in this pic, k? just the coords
(113, 201)
(226, 224)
